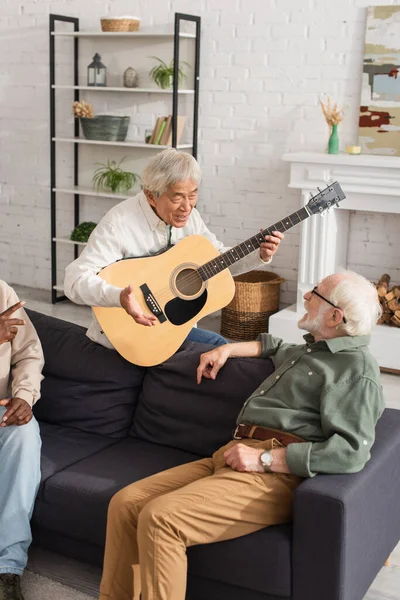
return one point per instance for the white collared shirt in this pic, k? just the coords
(131, 229)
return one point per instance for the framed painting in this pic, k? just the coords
(379, 124)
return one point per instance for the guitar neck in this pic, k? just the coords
(225, 260)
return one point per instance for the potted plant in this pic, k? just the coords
(82, 232)
(112, 177)
(163, 74)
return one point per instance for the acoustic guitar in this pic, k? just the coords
(183, 285)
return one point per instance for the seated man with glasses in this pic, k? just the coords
(146, 225)
(316, 413)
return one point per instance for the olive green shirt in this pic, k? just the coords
(328, 393)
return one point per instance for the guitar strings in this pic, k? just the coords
(188, 280)
(194, 276)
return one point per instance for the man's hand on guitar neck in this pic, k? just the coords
(270, 246)
(133, 308)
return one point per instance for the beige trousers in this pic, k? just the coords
(154, 520)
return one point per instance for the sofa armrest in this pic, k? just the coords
(345, 526)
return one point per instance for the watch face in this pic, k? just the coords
(266, 458)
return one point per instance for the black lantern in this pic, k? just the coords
(96, 72)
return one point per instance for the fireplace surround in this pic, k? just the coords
(371, 183)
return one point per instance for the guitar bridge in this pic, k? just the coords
(152, 303)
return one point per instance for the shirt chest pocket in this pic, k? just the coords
(303, 385)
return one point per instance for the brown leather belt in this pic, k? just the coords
(264, 433)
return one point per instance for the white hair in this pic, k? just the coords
(358, 299)
(167, 168)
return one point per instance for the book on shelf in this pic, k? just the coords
(167, 130)
(162, 131)
(179, 131)
(159, 135)
(156, 130)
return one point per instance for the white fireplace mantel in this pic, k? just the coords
(371, 183)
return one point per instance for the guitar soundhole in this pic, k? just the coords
(188, 283)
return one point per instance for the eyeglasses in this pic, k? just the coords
(314, 291)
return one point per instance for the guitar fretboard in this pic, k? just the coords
(225, 260)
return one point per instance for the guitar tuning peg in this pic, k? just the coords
(311, 196)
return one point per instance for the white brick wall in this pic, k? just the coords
(263, 65)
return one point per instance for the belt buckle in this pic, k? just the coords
(235, 436)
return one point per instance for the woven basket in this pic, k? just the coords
(256, 299)
(108, 128)
(120, 24)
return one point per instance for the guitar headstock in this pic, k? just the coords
(330, 196)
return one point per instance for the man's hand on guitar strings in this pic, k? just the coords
(133, 308)
(271, 245)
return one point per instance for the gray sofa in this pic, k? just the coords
(106, 423)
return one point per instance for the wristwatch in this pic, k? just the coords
(267, 459)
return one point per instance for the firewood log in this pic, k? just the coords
(386, 318)
(395, 320)
(393, 299)
(383, 285)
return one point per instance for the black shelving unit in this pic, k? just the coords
(54, 19)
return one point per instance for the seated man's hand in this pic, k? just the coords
(244, 458)
(247, 459)
(18, 412)
(133, 308)
(212, 361)
(9, 325)
(271, 245)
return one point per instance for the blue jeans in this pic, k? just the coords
(205, 337)
(19, 483)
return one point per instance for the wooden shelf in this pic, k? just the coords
(130, 144)
(93, 88)
(87, 191)
(62, 240)
(121, 34)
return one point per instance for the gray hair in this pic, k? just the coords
(358, 298)
(167, 168)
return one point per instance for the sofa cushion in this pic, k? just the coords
(174, 411)
(63, 447)
(259, 561)
(74, 501)
(86, 385)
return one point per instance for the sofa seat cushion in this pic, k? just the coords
(74, 502)
(86, 385)
(260, 561)
(174, 411)
(63, 447)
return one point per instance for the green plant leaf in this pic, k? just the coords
(82, 232)
(110, 176)
(161, 73)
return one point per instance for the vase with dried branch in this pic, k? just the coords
(333, 116)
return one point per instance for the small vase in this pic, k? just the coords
(333, 144)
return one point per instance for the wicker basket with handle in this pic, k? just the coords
(256, 299)
(120, 24)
